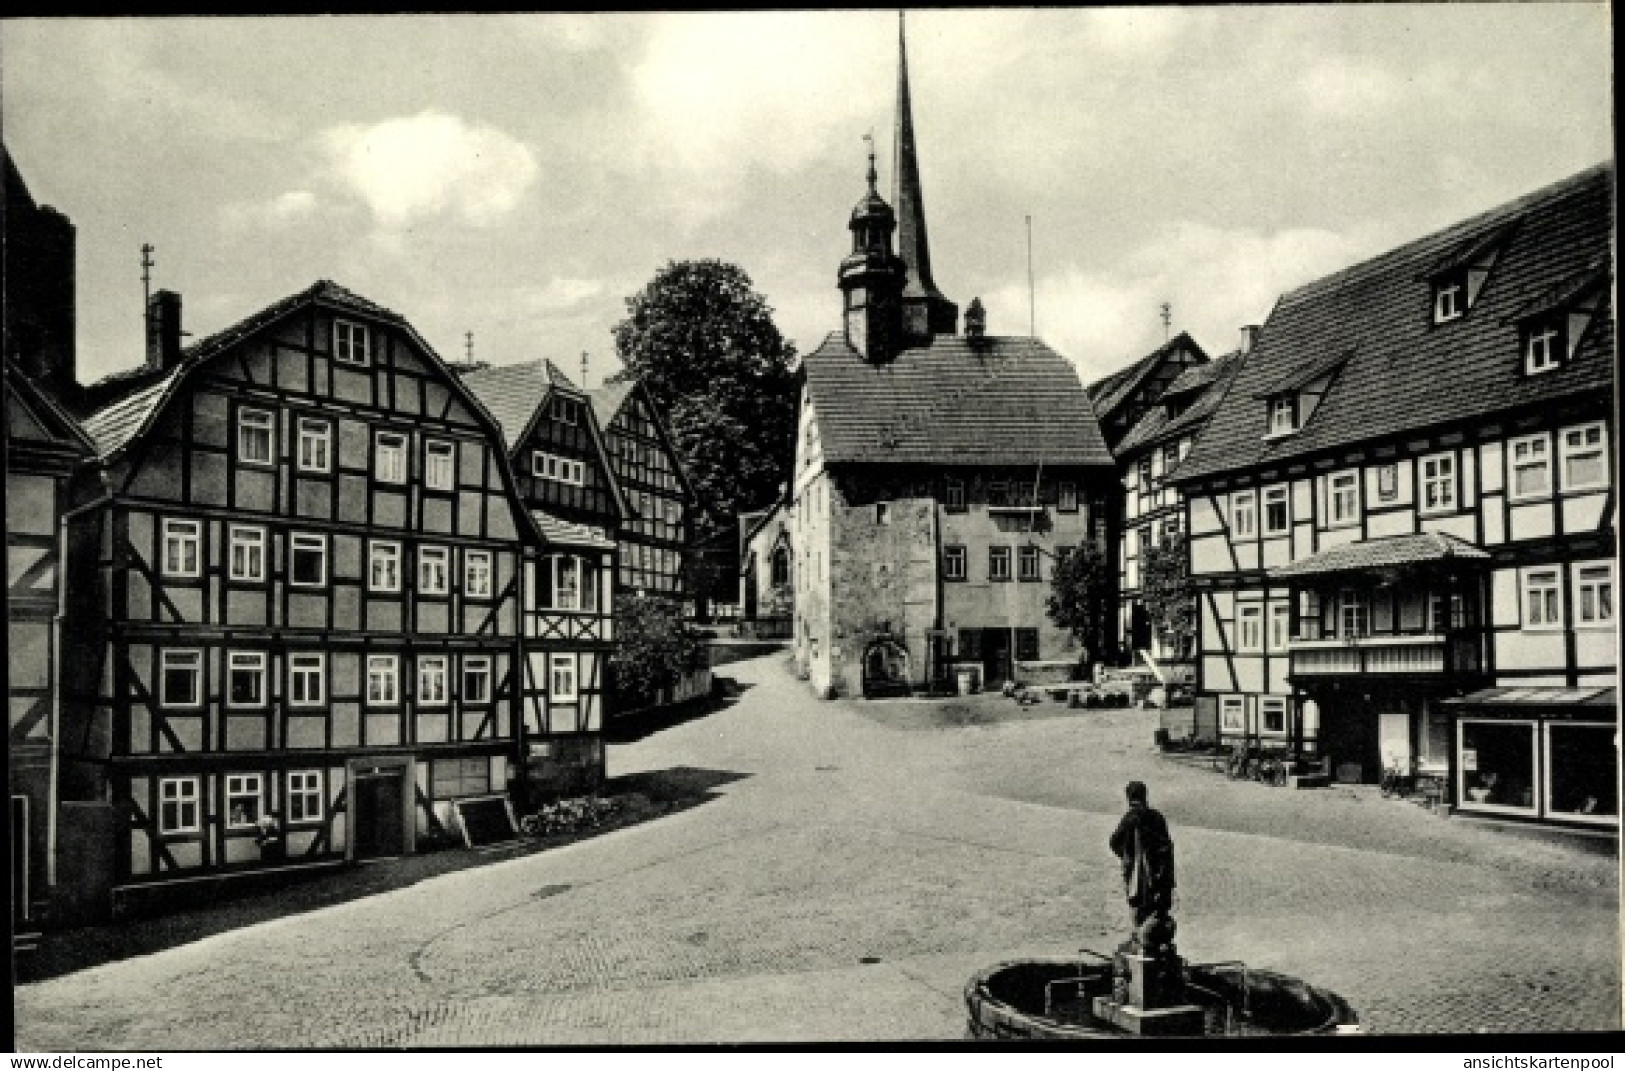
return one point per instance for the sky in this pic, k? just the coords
(519, 176)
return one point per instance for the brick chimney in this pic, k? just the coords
(164, 330)
(975, 319)
(1249, 338)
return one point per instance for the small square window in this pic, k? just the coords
(1545, 344)
(1283, 414)
(439, 465)
(309, 557)
(1449, 298)
(953, 563)
(256, 429)
(350, 342)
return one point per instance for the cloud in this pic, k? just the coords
(560, 295)
(279, 211)
(1216, 279)
(431, 164)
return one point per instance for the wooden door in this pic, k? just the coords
(380, 828)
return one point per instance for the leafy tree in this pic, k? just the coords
(1165, 588)
(1078, 594)
(705, 345)
(654, 647)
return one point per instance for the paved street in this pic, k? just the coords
(859, 861)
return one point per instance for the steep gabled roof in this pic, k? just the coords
(607, 403)
(1208, 382)
(1108, 395)
(608, 399)
(52, 419)
(1404, 372)
(969, 401)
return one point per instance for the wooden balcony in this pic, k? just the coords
(1416, 654)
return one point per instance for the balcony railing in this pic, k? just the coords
(1416, 654)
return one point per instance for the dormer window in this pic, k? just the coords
(1545, 345)
(1283, 414)
(1449, 297)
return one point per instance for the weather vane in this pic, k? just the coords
(1167, 320)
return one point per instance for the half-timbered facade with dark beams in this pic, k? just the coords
(43, 447)
(1403, 516)
(656, 534)
(561, 468)
(307, 609)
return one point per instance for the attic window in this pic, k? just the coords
(564, 410)
(1544, 344)
(1449, 297)
(1283, 414)
(349, 342)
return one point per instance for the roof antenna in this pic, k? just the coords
(870, 138)
(583, 369)
(146, 286)
(1167, 321)
(468, 348)
(1032, 298)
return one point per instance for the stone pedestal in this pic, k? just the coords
(1148, 993)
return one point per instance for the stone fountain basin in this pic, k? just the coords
(1008, 1000)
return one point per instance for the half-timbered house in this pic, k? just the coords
(561, 468)
(938, 477)
(1403, 515)
(43, 447)
(1153, 509)
(655, 536)
(306, 618)
(1123, 398)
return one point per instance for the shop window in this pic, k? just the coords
(1497, 764)
(305, 796)
(1232, 714)
(244, 796)
(1582, 772)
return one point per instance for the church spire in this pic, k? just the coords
(925, 311)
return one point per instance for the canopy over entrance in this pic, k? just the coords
(1391, 552)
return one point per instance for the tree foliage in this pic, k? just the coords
(704, 343)
(1166, 590)
(654, 647)
(1078, 595)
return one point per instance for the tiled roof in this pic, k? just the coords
(1155, 427)
(985, 401)
(1193, 379)
(113, 426)
(1381, 554)
(513, 393)
(1109, 393)
(565, 533)
(1405, 373)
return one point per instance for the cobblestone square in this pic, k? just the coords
(862, 860)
